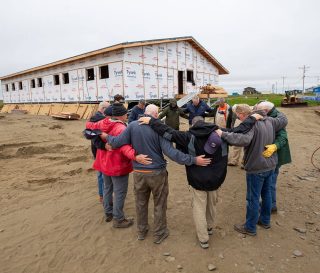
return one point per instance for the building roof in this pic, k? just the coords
(190, 39)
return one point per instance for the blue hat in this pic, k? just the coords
(213, 143)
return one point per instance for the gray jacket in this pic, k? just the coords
(262, 134)
(146, 141)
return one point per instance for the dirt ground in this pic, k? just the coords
(51, 220)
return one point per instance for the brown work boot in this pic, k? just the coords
(124, 223)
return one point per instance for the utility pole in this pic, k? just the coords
(283, 84)
(304, 69)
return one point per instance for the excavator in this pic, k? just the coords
(291, 100)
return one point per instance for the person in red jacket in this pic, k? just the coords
(116, 166)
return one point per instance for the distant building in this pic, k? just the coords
(250, 91)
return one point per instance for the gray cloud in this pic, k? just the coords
(258, 41)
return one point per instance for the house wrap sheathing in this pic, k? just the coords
(152, 69)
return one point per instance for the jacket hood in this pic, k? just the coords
(203, 129)
(114, 123)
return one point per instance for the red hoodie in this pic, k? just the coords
(116, 162)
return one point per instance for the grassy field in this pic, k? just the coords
(252, 100)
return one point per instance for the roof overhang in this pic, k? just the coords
(222, 70)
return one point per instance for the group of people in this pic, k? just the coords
(140, 146)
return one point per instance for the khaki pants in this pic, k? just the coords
(204, 211)
(144, 184)
(234, 155)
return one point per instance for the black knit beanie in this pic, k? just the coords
(118, 110)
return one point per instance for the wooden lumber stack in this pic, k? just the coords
(66, 115)
(213, 91)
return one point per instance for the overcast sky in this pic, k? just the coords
(258, 41)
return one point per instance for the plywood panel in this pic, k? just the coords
(44, 109)
(5, 108)
(70, 108)
(92, 108)
(34, 109)
(56, 108)
(27, 107)
(82, 109)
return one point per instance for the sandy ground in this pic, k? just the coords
(51, 220)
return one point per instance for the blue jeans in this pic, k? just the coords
(100, 183)
(118, 186)
(258, 184)
(274, 188)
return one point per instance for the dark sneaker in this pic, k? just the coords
(264, 225)
(242, 229)
(274, 210)
(158, 239)
(204, 245)
(232, 164)
(142, 235)
(210, 231)
(125, 223)
(109, 217)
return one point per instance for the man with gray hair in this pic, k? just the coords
(197, 107)
(259, 169)
(280, 146)
(153, 177)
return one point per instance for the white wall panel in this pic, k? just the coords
(150, 82)
(5, 94)
(175, 81)
(205, 78)
(199, 79)
(133, 54)
(189, 57)
(90, 87)
(172, 55)
(163, 82)
(162, 55)
(74, 94)
(47, 82)
(150, 55)
(171, 93)
(82, 83)
(116, 80)
(114, 56)
(181, 56)
(133, 81)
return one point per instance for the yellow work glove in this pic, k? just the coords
(270, 149)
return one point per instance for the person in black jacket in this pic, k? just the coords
(200, 139)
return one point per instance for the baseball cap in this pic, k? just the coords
(213, 143)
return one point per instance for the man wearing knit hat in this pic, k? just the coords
(116, 166)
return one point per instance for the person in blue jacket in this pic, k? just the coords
(197, 107)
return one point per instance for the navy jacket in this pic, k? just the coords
(198, 110)
(135, 113)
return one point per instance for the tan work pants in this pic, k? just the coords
(157, 183)
(234, 155)
(204, 211)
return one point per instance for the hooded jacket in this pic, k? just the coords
(262, 134)
(117, 162)
(172, 115)
(192, 142)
